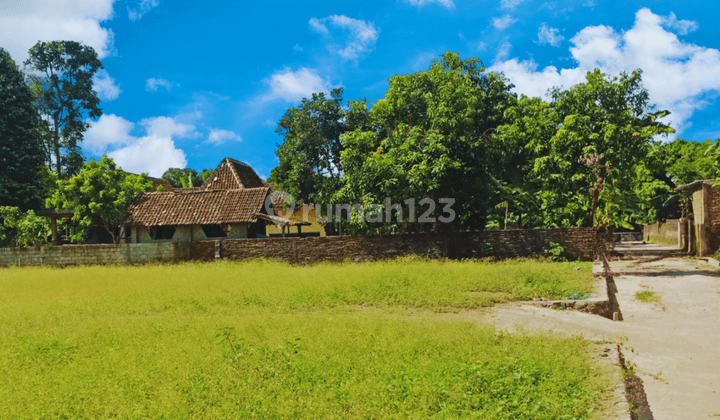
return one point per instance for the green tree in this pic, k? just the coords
(430, 137)
(61, 79)
(205, 175)
(310, 168)
(101, 193)
(183, 178)
(21, 155)
(18, 229)
(584, 147)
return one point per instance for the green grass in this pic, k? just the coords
(648, 296)
(269, 340)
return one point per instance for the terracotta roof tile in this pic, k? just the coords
(232, 174)
(198, 207)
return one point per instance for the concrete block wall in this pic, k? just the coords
(107, 254)
(578, 243)
(667, 233)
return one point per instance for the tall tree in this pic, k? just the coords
(21, 155)
(585, 146)
(430, 137)
(310, 167)
(101, 192)
(62, 80)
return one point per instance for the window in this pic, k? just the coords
(161, 232)
(214, 231)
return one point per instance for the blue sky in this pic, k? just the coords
(188, 83)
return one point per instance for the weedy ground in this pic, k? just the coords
(269, 340)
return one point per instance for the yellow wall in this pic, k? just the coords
(298, 215)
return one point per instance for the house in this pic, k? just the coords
(704, 228)
(230, 204)
(197, 215)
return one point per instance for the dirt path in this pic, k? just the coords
(675, 345)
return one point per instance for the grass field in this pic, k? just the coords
(270, 340)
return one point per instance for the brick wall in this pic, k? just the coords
(662, 233)
(107, 254)
(578, 243)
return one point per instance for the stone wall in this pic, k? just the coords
(667, 233)
(578, 243)
(107, 254)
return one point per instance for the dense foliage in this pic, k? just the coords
(99, 194)
(22, 229)
(590, 155)
(21, 155)
(184, 178)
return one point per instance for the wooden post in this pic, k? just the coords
(53, 227)
(299, 231)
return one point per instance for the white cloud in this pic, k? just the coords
(297, 48)
(24, 22)
(503, 22)
(152, 84)
(108, 130)
(154, 152)
(359, 41)
(143, 7)
(679, 76)
(503, 52)
(150, 154)
(105, 86)
(548, 35)
(293, 86)
(683, 27)
(510, 4)
(317, 26)
(168, 127)
(420, 3)
(218, 136)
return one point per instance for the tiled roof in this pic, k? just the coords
(232, 174)
(159, 181)
(198, 207)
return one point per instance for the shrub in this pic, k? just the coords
(556, 252)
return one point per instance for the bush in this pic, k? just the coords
(18, 229)
(556, 252)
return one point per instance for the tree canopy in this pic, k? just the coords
(430, 136)
(589, 155)
(99, 193)
(21, 155)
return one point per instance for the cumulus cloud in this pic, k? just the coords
(109, 130)
(24, 22)
(150, 154)
(510, 4)
(679, 76)
(420, 3)
(548, 35)
(152, 84)
(143, 7)
(105, 86)
(503, 22)
(154, 152)
(358, 36)
(292, 86)
(218, 136)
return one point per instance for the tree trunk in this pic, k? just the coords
(56, 146)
